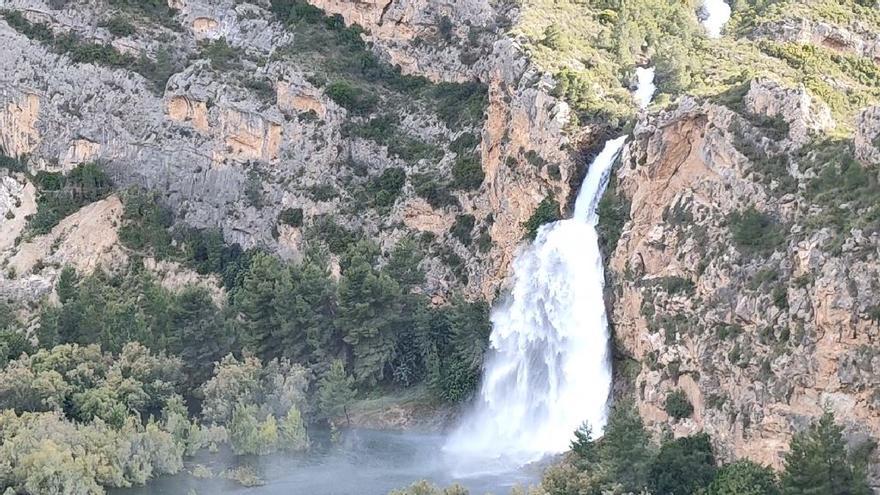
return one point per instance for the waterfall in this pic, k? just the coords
(714, 14)
(646, 88)
(548, 369)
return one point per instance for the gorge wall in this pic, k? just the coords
(745, 275)
(206, 137)
(741, 287)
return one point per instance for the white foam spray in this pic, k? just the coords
(714, 15)
(548, 369)
(646, 88)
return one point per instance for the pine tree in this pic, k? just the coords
(403, 265)
(257, 302)
(368, 302)
(200, 337)
(818, 463)
(625, 451)
(66, 285)
(335, 392)
(683, 466)
(315, 310)
(583, 444)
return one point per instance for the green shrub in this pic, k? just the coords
(385, 131)
(253, 188)
(323, 192)
(756, 232)
(674, 285)
(337, 237)
(464, 143)
(146, 223)
(683, 466)
(677, 405)
(353, 98)
(12, 164)
(118, 26)
(779, 295)
(433, 190)
(744, 477)
(222, 56)
(58, 196)
(546, 212)
(158, 9)
(459, 105)
(455, 263)
(262, 87)
(462, 228)
(385, 188)
(613, 212)
(291, 216)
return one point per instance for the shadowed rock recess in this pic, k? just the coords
(332, 193)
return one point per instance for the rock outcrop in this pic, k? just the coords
(804, 115)
(761, 324)
(867, 136)
(854, 40)
(213, 143)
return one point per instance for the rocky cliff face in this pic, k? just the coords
(525, 151)
(746, 274)
(735, 282)
(243, 129)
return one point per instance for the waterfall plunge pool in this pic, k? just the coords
(362, 462)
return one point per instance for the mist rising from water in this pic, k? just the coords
(714, 14)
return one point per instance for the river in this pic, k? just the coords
(363, 462)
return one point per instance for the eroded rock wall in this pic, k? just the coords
(760, 340)
(211, 143)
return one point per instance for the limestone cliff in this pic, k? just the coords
(743, 278)
(244, 129)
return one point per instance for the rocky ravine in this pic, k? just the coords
(206, 138)
(760, 337)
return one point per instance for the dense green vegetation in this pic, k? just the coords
(356, 79)
(819, 462)
(755, 231)
(77, 419)
(162, 363)
(371, 318)
(625, 460)
(678, 406)
(592, 46)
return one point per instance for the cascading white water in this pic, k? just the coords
(548, 369)
(646, 88)
(714, 14)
